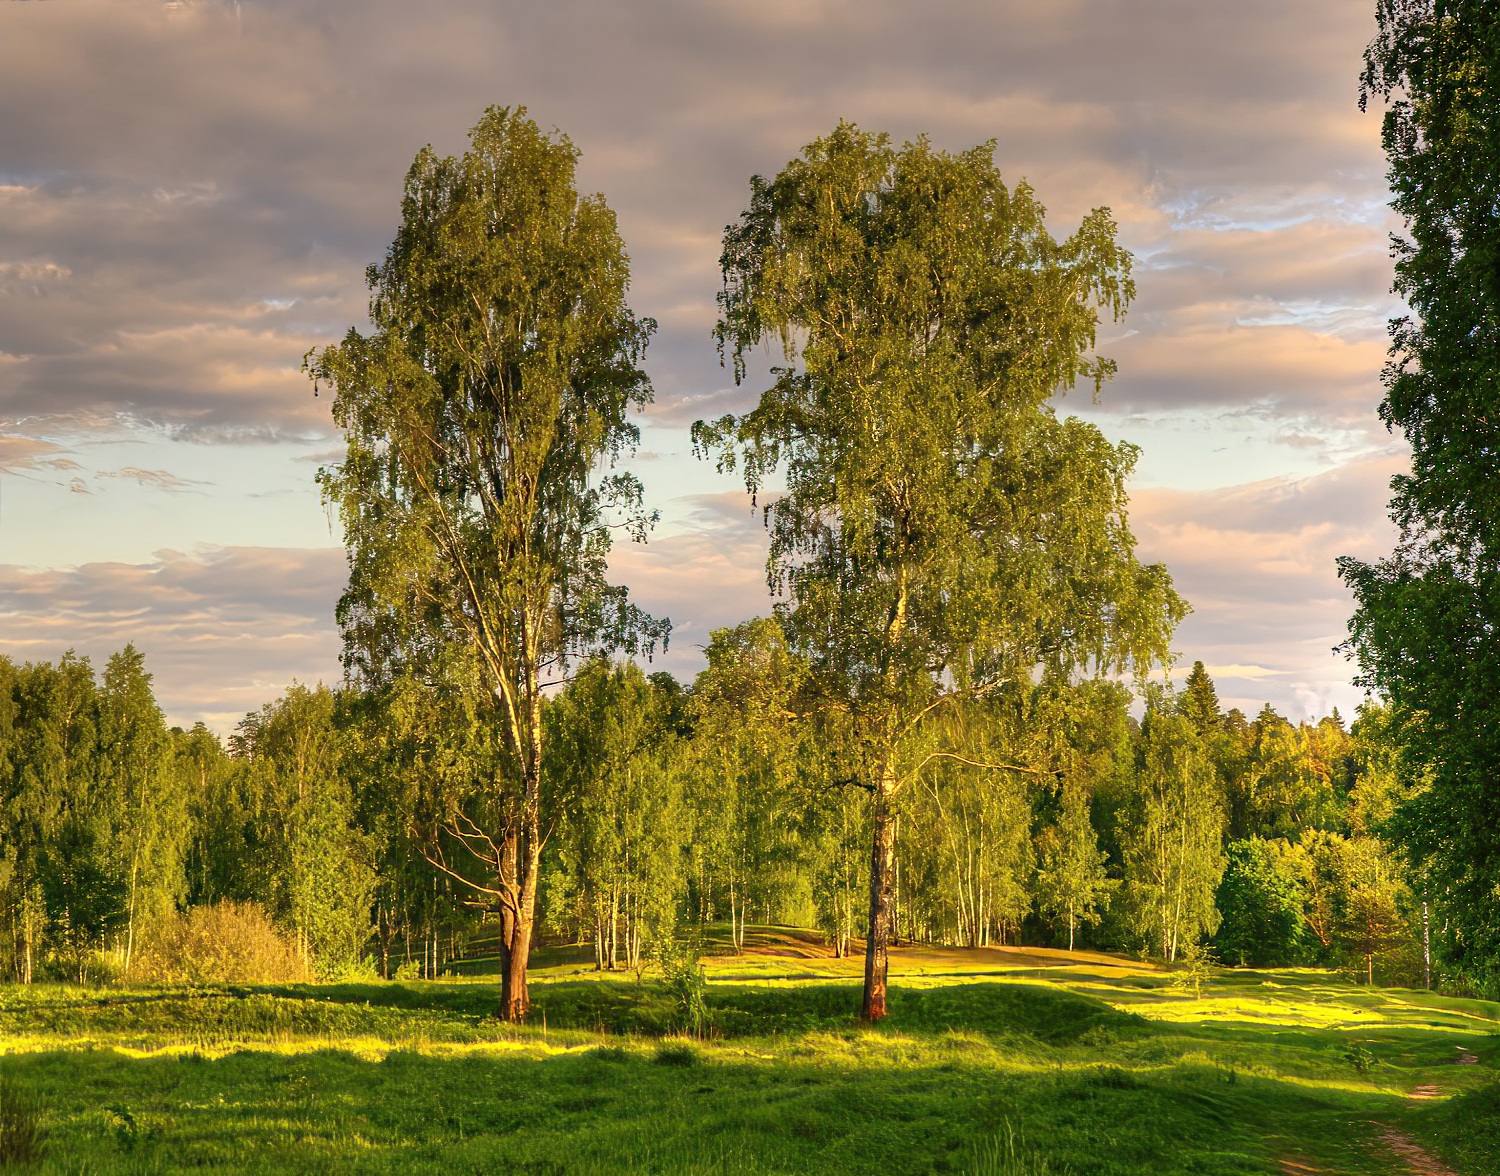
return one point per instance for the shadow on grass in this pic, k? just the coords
(872, 1109)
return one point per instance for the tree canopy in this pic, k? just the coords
(499, 379)
(1424, 629)
(941, 528)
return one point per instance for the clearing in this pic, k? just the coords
(1000, 1060)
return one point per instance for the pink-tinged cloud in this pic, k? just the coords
(192, 195)
(223, 631)
(1257, 563)
(702, 579)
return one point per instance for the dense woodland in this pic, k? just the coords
(1049, 815)
(931, 739)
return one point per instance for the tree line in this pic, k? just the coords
(1045, 814)
(929, 739)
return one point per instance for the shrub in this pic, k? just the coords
(408, 970)
(686, 982)
(676, 1055)
(227, 943)
(1261, 906)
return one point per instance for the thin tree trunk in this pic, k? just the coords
(1426, 949)
(612, 957)
(135, 864)
(877, 944)
(515, 997)
(30, 939)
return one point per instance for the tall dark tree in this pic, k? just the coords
(1199, 702)
(500, 376)
(1425, 630)
(942, 531)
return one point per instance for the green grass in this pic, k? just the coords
(990, 1062)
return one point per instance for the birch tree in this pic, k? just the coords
(942, 530)
(1072, 883)
(149, 808)
(749, 742)
(477, 417)
(1174, 843)
(613, 762)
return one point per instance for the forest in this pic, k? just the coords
(1049, 815)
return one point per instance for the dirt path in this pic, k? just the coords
(1413, 1159)
(1418, 1161)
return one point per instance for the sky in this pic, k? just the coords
(190, 193)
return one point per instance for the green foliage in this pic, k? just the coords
(613, 771)
(86, 900)
(1199, 702)
(967, 854)
(928, 317)
(139, 794)
(1196, 967)
(336, 814)
(1423, 629)
(754, 832)
(1287, 783)
(313, 864)
(1173, 838)
(503, 367)
(682, 973)
(1071, 880)
(499, 380)
(1260, 906)
(941, 530)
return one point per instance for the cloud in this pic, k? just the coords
(223, 630)
(152, 479)
(702, 579)
(1256, 561)
(20, 454)
(190, 202)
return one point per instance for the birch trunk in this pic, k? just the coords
(877, 945)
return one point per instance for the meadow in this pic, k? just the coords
(992, 1061)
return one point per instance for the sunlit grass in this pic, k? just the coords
(1100, 1064)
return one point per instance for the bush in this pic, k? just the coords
(679, 1054)
(686, 982)
(227, 943)
(1261, 907)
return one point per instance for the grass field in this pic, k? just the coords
(992, 1061)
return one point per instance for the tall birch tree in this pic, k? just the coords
(942, 530)
(1174, 840)
(497, 383)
